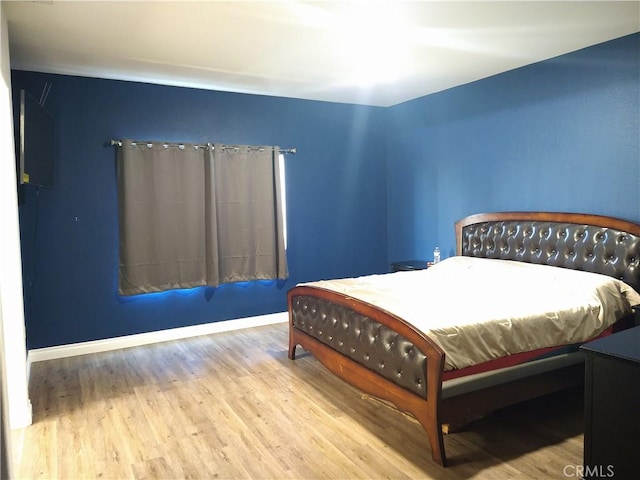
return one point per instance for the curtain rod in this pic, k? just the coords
(118, 143)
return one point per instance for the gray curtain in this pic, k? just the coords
(247, 236)
(192, 216)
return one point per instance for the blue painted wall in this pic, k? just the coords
(336, 194)
(560, 135)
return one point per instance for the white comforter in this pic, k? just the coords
(479, 309)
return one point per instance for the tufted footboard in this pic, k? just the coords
(363, 340)
(372, 350)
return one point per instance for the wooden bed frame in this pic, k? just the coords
(322, 321)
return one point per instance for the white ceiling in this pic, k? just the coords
(367, 52)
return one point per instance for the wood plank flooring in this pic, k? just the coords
(232, 405)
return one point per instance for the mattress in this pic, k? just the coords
(480, 309)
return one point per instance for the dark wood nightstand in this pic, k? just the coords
(406, 265)
(611, 407)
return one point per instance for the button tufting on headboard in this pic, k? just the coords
(585, 247)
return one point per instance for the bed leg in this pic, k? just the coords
(436, 440)
(292, 341)
(437, 447)
(292, 344)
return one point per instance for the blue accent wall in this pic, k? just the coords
(560, 135)
(368, 185)
(336, 201)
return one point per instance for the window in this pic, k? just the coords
(193, 216)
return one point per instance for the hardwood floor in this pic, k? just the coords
(232, 405)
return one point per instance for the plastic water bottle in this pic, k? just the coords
(436, 255)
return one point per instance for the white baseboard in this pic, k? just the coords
(136, 340)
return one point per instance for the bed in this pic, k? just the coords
(381, 353)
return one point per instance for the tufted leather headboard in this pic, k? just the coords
(584, 242)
